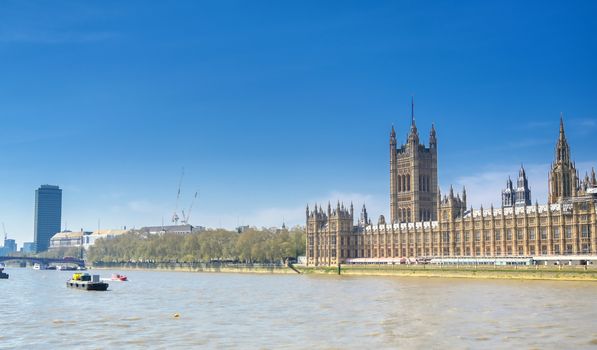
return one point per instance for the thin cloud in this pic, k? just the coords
(485, 188)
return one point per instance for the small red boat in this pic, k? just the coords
(117, 277)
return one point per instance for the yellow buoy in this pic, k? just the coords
(176, 315)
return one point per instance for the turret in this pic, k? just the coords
(364, 220)
(508, 194)
(432, 137)
(563, 179)
(464, 196)
(523, 192)
(393, 178)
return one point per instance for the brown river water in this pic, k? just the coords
(251, 311)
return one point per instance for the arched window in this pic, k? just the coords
(408, 182)
(399, 185)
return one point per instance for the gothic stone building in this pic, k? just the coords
(425, 224)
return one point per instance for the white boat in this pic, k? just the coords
(36, 266)
(66, 268)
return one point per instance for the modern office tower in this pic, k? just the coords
(48, 213)
(28, 247)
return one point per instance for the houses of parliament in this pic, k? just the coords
(423, 223)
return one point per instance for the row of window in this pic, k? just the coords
(520, 221)
(467, 251)
(533, 234)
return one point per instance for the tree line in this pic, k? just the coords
(251, 246)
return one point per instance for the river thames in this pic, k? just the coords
(251, 311)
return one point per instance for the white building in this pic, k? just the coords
(85, 239)
(68, 239)
(107, 234)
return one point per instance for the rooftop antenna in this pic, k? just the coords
(5, 234)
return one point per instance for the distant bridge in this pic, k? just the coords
(45, 261)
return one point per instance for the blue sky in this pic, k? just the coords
(271, 105)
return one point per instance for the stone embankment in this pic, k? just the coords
(569, 273)
(565, 273)
(196, 267)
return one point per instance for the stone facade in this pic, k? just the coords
(564, 226)
(413, 177)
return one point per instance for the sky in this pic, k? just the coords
(272, 105)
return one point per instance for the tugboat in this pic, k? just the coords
(2, 274)
(86, 282)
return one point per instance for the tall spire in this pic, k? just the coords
(562, 148)
(413, 137)
(412, 110)
(562, 135)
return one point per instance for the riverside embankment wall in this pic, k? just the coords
(571, 273)
(567, 273)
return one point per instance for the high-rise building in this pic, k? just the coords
(48, 214)
(10, 246)
(28, 247)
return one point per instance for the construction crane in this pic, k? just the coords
(175, 216)
(186, 217)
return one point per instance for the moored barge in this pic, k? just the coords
(86, 282)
